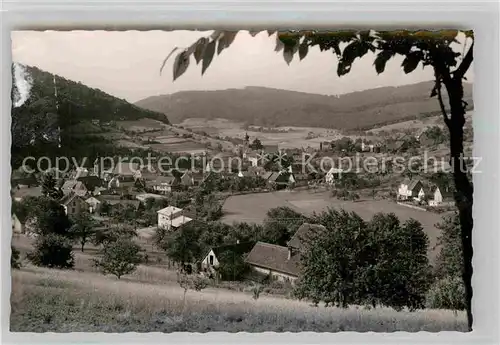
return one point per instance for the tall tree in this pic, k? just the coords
(428, 48)
(83, 228)
(49, 187)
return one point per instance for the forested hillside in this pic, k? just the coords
(56, 102)
(272, 107)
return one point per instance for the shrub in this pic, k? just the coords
(15, 258)
(447, 293)
(120, 257)
(52, 250)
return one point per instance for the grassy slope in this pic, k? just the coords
(148, 300)
(264, 106)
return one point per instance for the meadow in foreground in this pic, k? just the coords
(46, 300)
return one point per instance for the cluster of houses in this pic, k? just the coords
(436, 195)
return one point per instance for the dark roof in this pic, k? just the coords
(267, 175)
(301, 234)
(91, 182)
(273, 257)
(413, 184)
(69, 197)
(236, 248)
(406, 181)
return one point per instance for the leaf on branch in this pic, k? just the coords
(208, 55)
(165, 60)
(201, 44)
(381, 60)
(181, 64)
(220, 44)
(228, 38)
(303, 49)
(279, 45)
(411, 61)
(355, 49)
(291, 43)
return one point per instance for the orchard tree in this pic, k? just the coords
(82, 229)
(428, 48)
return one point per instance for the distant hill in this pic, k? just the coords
(70, 106)
(273, 107)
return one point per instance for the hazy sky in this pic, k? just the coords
(126, 64)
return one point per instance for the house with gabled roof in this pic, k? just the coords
(441, 195)
(280, 262)
(274, 261)
(171, 218)
(411, 190)
(74, 186)
(73, 204)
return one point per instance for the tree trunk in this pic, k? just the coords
(464, 188)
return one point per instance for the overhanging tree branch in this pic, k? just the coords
(465, 64)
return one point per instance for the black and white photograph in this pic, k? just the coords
(242, 181)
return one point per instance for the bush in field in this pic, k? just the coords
(119, 258)
(15, 258)
(52, 250)
(447, 293)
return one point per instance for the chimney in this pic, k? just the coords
(289, 253)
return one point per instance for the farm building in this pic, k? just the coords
(171, 218)
(441, 196)
(274, 261)
(411, 189)
(163, 184)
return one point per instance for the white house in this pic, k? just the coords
(93, 203)
(442, 196)
(411, 189)
(171, 218)
(73, 204)
(332, 175)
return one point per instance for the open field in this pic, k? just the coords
(291, 137)
(252, 208)
(141, 125)
(69, 301)
(420, 124)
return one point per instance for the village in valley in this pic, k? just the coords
(141, 217)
